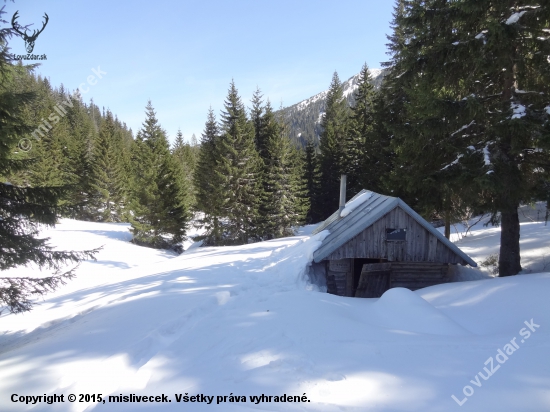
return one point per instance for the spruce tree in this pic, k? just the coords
(361, 149)
(49, 161)
(265, 125)
(476, 86)
(108, 185)
(434, 166)
(389, 111)
(378, 159)
(207, 181)
(186, 156)
(178, 142)
(332, 144)
(238, 169)
(173, 200)
(256, 117)
(159, 206)
(510, 87)
(194, 153)
(80, 158)
(283, 207)
(23, 209)
(311, 177)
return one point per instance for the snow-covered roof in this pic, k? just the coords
(368, 207)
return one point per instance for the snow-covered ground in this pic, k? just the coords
(243, 321)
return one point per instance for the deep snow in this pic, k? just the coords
(245, 321)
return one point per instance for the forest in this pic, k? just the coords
(460, 126)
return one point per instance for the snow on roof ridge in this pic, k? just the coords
(352, 204)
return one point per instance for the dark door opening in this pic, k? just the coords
(358, 266)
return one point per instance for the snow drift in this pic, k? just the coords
(244, 321)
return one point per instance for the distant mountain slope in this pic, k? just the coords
(304, 118)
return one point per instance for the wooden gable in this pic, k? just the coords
(420, 245)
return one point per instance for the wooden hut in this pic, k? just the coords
(377, 242)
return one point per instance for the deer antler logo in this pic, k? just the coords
(29, 40)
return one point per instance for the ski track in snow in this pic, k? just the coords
(244, 320)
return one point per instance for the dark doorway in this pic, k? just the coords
(357, 266)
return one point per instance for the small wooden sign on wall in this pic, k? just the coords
(342, 265)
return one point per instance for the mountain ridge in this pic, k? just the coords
(304, 118)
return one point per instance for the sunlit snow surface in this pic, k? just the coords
(244, 321)
(353, 204)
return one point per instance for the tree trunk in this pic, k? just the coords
(509, 262)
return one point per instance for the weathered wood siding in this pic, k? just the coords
(340, 277)
(420, 246)
(418, 275)
(379, 277)
(374, 281)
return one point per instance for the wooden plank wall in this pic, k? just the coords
(374, 281)
(415, 276)
(340, 277)
(377, 278)
(420, 246)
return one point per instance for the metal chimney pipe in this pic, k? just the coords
(343, 179)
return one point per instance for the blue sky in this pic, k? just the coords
(183, 54)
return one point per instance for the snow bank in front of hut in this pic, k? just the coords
(352, 204)
(401, 309)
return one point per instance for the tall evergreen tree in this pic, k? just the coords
(80, 158)
(378, 159)
(186, 156)
(335, 124)
(361, 150)
(160, 196)
(283, 206)
(238, 169)
(311, 177)
(265, 127)
(24, 208)
(510, 91)
(477, 85)
(257, 116)
(423, 117)
(109, 185)
(178, 142)
(49, 165)
(207, 182)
